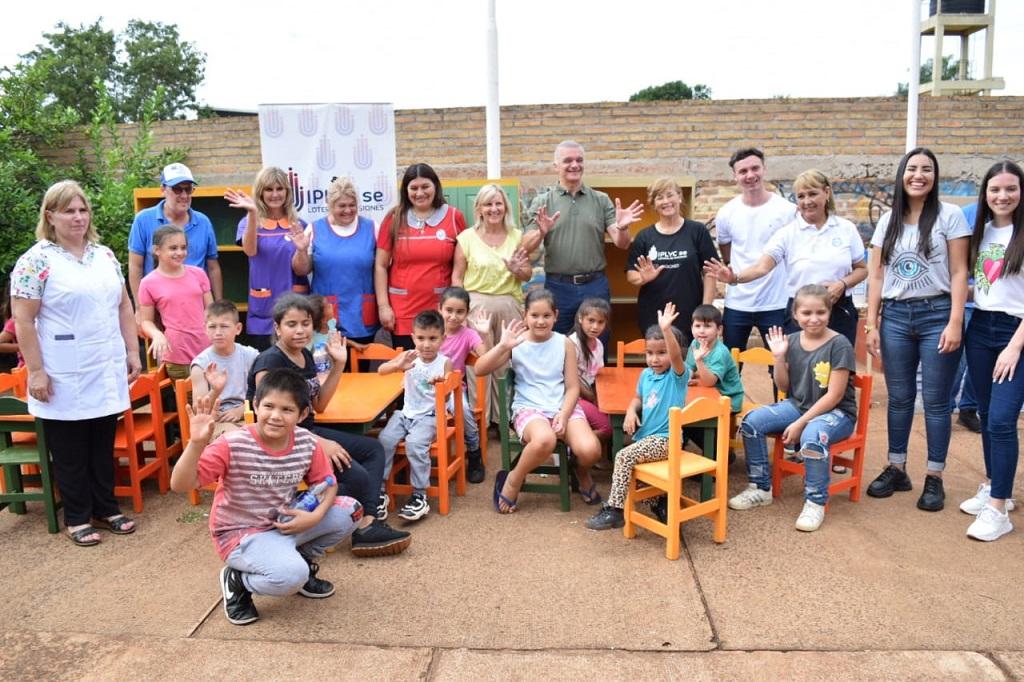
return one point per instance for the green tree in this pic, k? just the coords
(156, 56)
(114, 166)
(130, 65)
(950, 71)
(673, 90)
(24, 174)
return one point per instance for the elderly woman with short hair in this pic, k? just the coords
(340, 254)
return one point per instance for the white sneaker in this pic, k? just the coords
(415, 509)
(991, 524)
(811, 517)
(751, 497)
(980, 499)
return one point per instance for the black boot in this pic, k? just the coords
(475, 466)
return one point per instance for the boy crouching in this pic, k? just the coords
(258, 468)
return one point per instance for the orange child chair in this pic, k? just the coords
(373, 351)
(447, 452)
(752, 356)
(479, 408)
(634, 347)
(782, 467)
(132, 461)
(666, 477)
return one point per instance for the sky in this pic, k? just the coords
(432, 53)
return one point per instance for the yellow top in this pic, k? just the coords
(486, 272)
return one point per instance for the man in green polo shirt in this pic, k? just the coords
(571, 219)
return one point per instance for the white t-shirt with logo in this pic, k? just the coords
(907, 274)
(816, 256)
(748, 229)
(993, 290)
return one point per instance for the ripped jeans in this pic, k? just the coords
(824, 429)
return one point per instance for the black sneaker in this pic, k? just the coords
(659, 507)
(238, 606)
(416, 507)
(475, 467)
(969, 420)
(606, 519)
(933, 498)
(315, 588)
(379, 539)
(889, 481)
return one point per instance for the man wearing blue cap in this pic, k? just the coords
(176, 184)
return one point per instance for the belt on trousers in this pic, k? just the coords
(581, 278)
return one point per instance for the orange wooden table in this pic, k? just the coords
(360, 399)
(616, 387)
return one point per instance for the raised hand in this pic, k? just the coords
(519, 260)
(667, 316)
(406, 359)
(480, 320)
(337, 348)
(238, 199)
(647, 270)
(719, 270)
(544, 221)
(300, 238)
(624, 217)
(702, 350)
(201, 419)
(216, 380)
(512, 334)
(778, 342)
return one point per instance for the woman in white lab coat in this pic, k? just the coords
(77, 332)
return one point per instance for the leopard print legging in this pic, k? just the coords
(649, 449)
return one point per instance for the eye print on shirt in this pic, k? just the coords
(912, 270)
(822, 372)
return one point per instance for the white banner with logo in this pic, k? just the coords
(316, 143)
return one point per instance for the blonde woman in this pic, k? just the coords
(491, 266)
(77, 331)
(269, 234)
(342, 246)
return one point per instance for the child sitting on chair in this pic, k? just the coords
(222, 370)
(416, 422)
(662, 385)
(813, 366)
(258, 468)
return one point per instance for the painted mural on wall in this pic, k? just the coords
(865, 200)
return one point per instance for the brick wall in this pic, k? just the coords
(857, 141)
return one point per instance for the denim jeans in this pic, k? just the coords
(910, 332)
(814, 442)
(738, 323)
(843, 319)
(568, 297)
(998, 403)
(962, 394)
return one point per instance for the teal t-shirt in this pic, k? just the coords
(721, 364)
(659, 392)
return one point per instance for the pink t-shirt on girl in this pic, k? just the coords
(457, 347)
(588, 372)
(179, 300)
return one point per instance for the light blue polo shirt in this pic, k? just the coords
(202, 242)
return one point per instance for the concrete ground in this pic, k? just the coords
(882, 591)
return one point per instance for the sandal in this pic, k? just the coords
(591, 496)
(118, 525)
(79, 537)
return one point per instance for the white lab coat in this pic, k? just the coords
(80, 340)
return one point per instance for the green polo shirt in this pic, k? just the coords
(576, 243)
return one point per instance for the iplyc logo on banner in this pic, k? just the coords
(314, 199)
